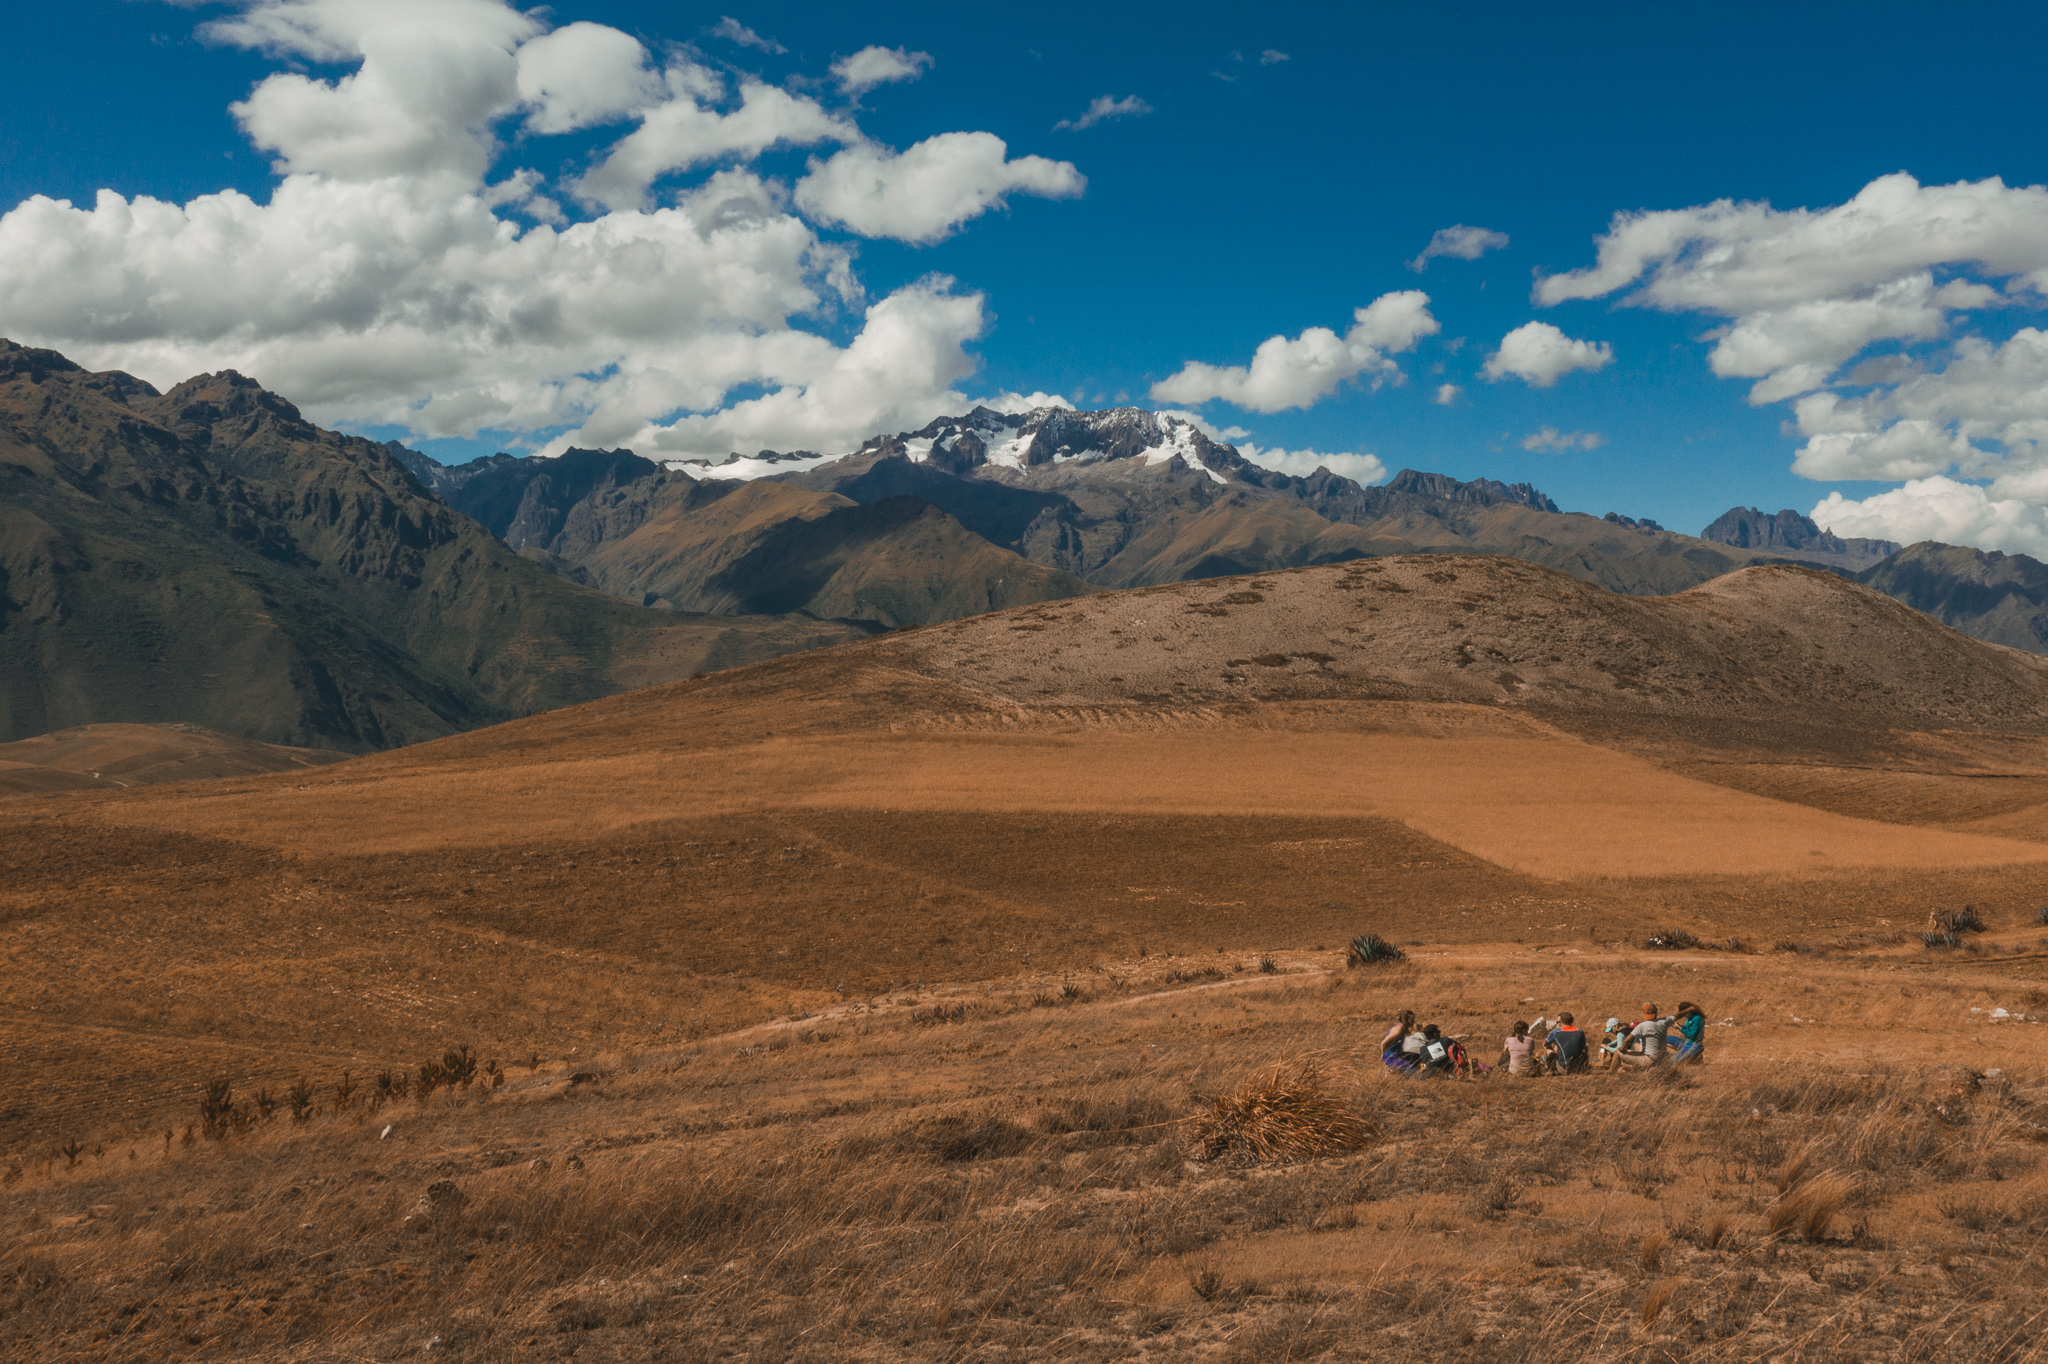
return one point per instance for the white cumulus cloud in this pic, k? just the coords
(1553, 441)
(1459, 243)
(895, 376)
(1851, 313)
(383, 281)
(1365, 469)
(1298, 371)
(583, 75)
(1101, 108)
(923, 194)
(1539, 354)
(1940, 508)
(1447, 394)
(873, 66)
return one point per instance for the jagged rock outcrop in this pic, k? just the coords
(1794, 536)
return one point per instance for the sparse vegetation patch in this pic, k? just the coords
(1370, 949)
(1286, 1114)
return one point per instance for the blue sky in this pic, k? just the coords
(1279, 169)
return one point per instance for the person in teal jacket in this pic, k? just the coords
(1692, 1035)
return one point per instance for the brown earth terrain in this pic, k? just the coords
(869, 989)
(116, 755)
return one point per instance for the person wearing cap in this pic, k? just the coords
(1611, 1043)
(1645, 1046)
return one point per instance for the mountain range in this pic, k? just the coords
(1056, 502)
(207, 556)
(1125, 498)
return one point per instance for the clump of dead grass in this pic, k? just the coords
(1655, 1301)
(1280, 1116)
(1807, 1208)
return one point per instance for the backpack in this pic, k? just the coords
(1437, 1052)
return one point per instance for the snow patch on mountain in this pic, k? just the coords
(750, 466)
(1180, 441)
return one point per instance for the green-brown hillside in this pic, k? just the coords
(208, 556)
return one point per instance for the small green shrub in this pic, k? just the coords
(1370, 949)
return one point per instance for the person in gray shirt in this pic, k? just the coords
(1645, 1045)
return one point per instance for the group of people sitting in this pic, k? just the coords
(1551, 1048)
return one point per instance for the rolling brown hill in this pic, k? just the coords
(207, 556)
(95, 757)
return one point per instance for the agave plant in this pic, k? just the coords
(1370, 949)
(217, 1108)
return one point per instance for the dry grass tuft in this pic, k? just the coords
(1655, 1301)
(1809, 1208)
(1793, 1170)
(1650, 1251)
(1286, 1114)
(1717, 1231)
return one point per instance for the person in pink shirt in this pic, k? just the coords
(1518, 1052)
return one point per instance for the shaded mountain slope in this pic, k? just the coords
(618, 523)
(1984, 593)
(900, 561)
(92, 757)
(208, 556)
(664, 540)
(524, 502)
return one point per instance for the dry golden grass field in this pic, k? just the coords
(866, 1004)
